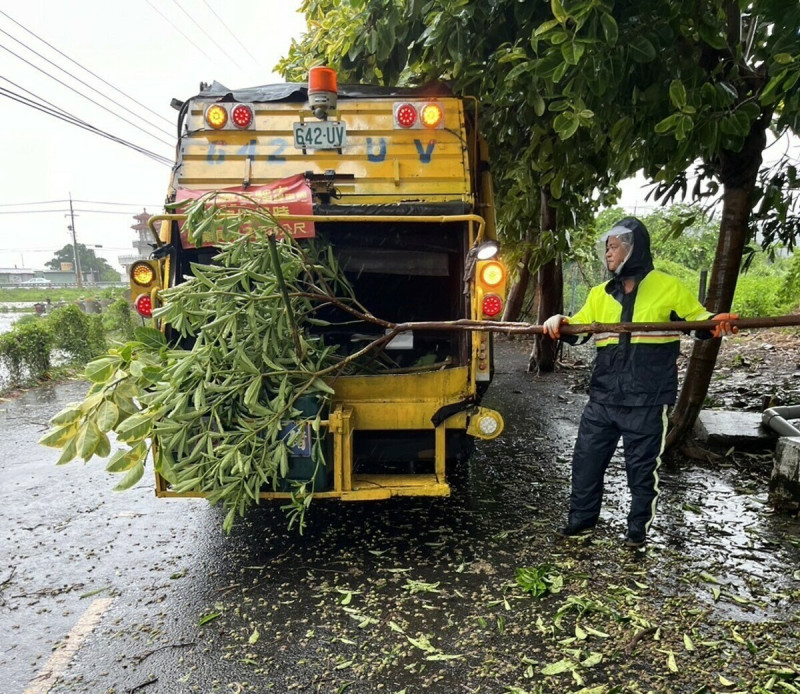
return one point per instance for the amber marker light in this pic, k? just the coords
(431, 115)
(216, 116)
(142, 274)
(492, 274)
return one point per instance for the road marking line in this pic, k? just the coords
(61, 658)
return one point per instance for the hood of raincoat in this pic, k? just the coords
(640, 261)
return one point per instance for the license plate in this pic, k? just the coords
(326, 134)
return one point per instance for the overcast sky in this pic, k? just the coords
(151, 51)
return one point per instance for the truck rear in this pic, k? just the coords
(397, 182)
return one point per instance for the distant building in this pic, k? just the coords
(143, 245)
(14, 276)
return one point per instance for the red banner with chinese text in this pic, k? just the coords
(289, 196)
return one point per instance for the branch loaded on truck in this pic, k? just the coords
(397, 182)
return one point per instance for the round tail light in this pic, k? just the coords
(492, 305)
(242, 116)
(406, 116)
(144, 305)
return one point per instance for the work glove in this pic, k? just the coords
(552, 326)
(724, 326)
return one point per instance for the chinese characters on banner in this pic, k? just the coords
(289, 196)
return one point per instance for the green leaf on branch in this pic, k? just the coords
(558, 11)
(136, 427)
(100, 370)
(132, 477)
(107, 416)
(566, 124)
(150, 337)
(641, 50)
(677, 93)
(59, 438)
(610, 29)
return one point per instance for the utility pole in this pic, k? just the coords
(75, 245)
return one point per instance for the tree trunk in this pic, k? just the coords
(516, 297)
(738, 173)
(551, 295)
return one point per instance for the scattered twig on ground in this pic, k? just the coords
(48, 592)
(314, 568)
(143, 656)
(141, 686)
(229, 588)
(638, 637)
(10, 576)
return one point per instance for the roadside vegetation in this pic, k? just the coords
(58, 344)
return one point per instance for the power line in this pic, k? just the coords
(40, 202)
(75, 62)
(169, 21)
(130, 214)
(27, 91)
(88, 202)
(86, 84)
(88, 98)
(51, 250)
(214, 42)
(81, 124)
(235, 38)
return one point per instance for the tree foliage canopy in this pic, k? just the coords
(88, 260)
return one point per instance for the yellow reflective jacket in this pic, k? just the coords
(638, 369)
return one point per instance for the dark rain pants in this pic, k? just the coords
(642, 430)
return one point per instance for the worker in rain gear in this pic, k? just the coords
(634, 380)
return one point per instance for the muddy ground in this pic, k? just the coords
(422, 595)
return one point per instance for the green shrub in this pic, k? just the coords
(117, 318)
(96, 336)
(27, 319)
(789, 292)
(688, 278)
(25, 352)
(759, 295)
(80, 336)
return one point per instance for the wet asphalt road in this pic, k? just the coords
(355, 603)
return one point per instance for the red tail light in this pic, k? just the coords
(492, 305)
(242, 116)
(405, 115)
(144, 305)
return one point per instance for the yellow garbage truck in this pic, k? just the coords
(397, 181)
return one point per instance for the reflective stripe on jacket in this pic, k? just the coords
(639, 369)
